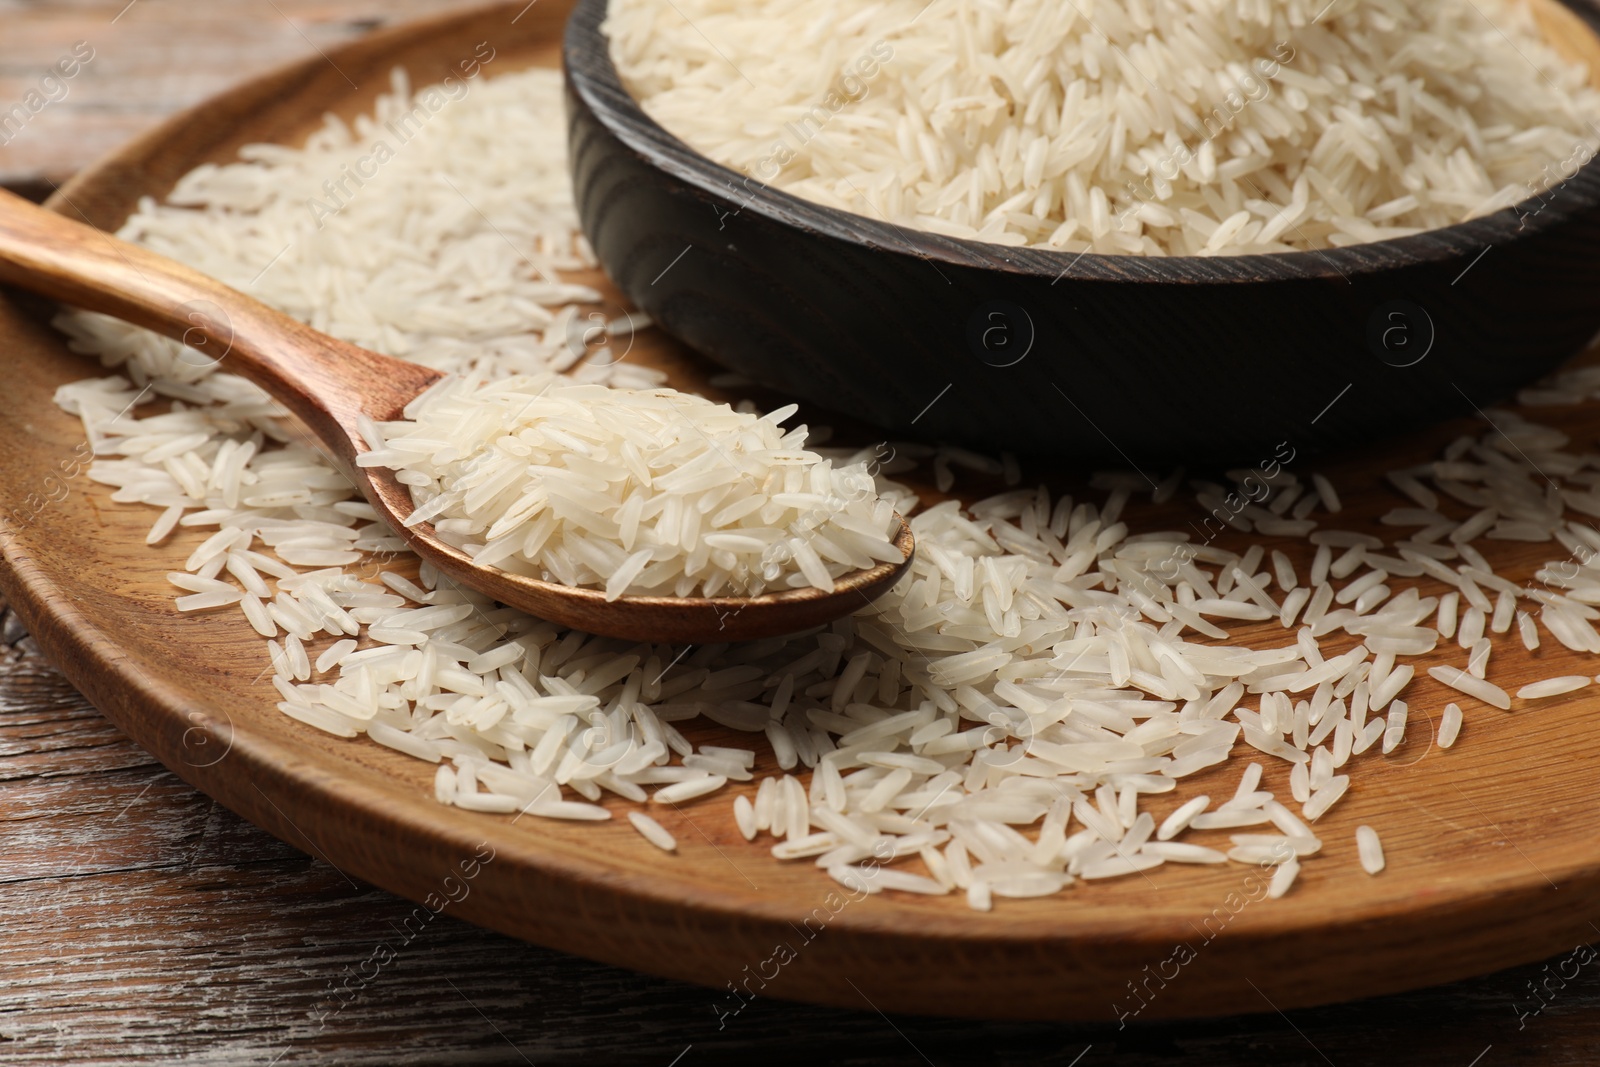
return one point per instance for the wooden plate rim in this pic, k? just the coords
(94, 661)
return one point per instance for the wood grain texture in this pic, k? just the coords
(1041, 351)
(151, 58)
(1492, 860)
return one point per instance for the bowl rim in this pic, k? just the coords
(592, 78)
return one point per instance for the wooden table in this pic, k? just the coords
(140, 922)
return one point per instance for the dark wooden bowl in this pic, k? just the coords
(1102, 358)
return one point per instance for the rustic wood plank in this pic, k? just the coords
(158, 57)
(30, 738)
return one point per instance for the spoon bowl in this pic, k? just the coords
(330, 386)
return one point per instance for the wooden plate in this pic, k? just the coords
(1493, 855)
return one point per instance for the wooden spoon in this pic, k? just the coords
(328, 384)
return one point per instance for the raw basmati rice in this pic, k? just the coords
(1178, 127)
(1449, 725)
(1551, 687)
(1045, 663)
(651, 493)
(1370, 849)
(1460, 680)
(653, 831)
(1282, 878)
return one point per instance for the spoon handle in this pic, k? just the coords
(325, 382)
